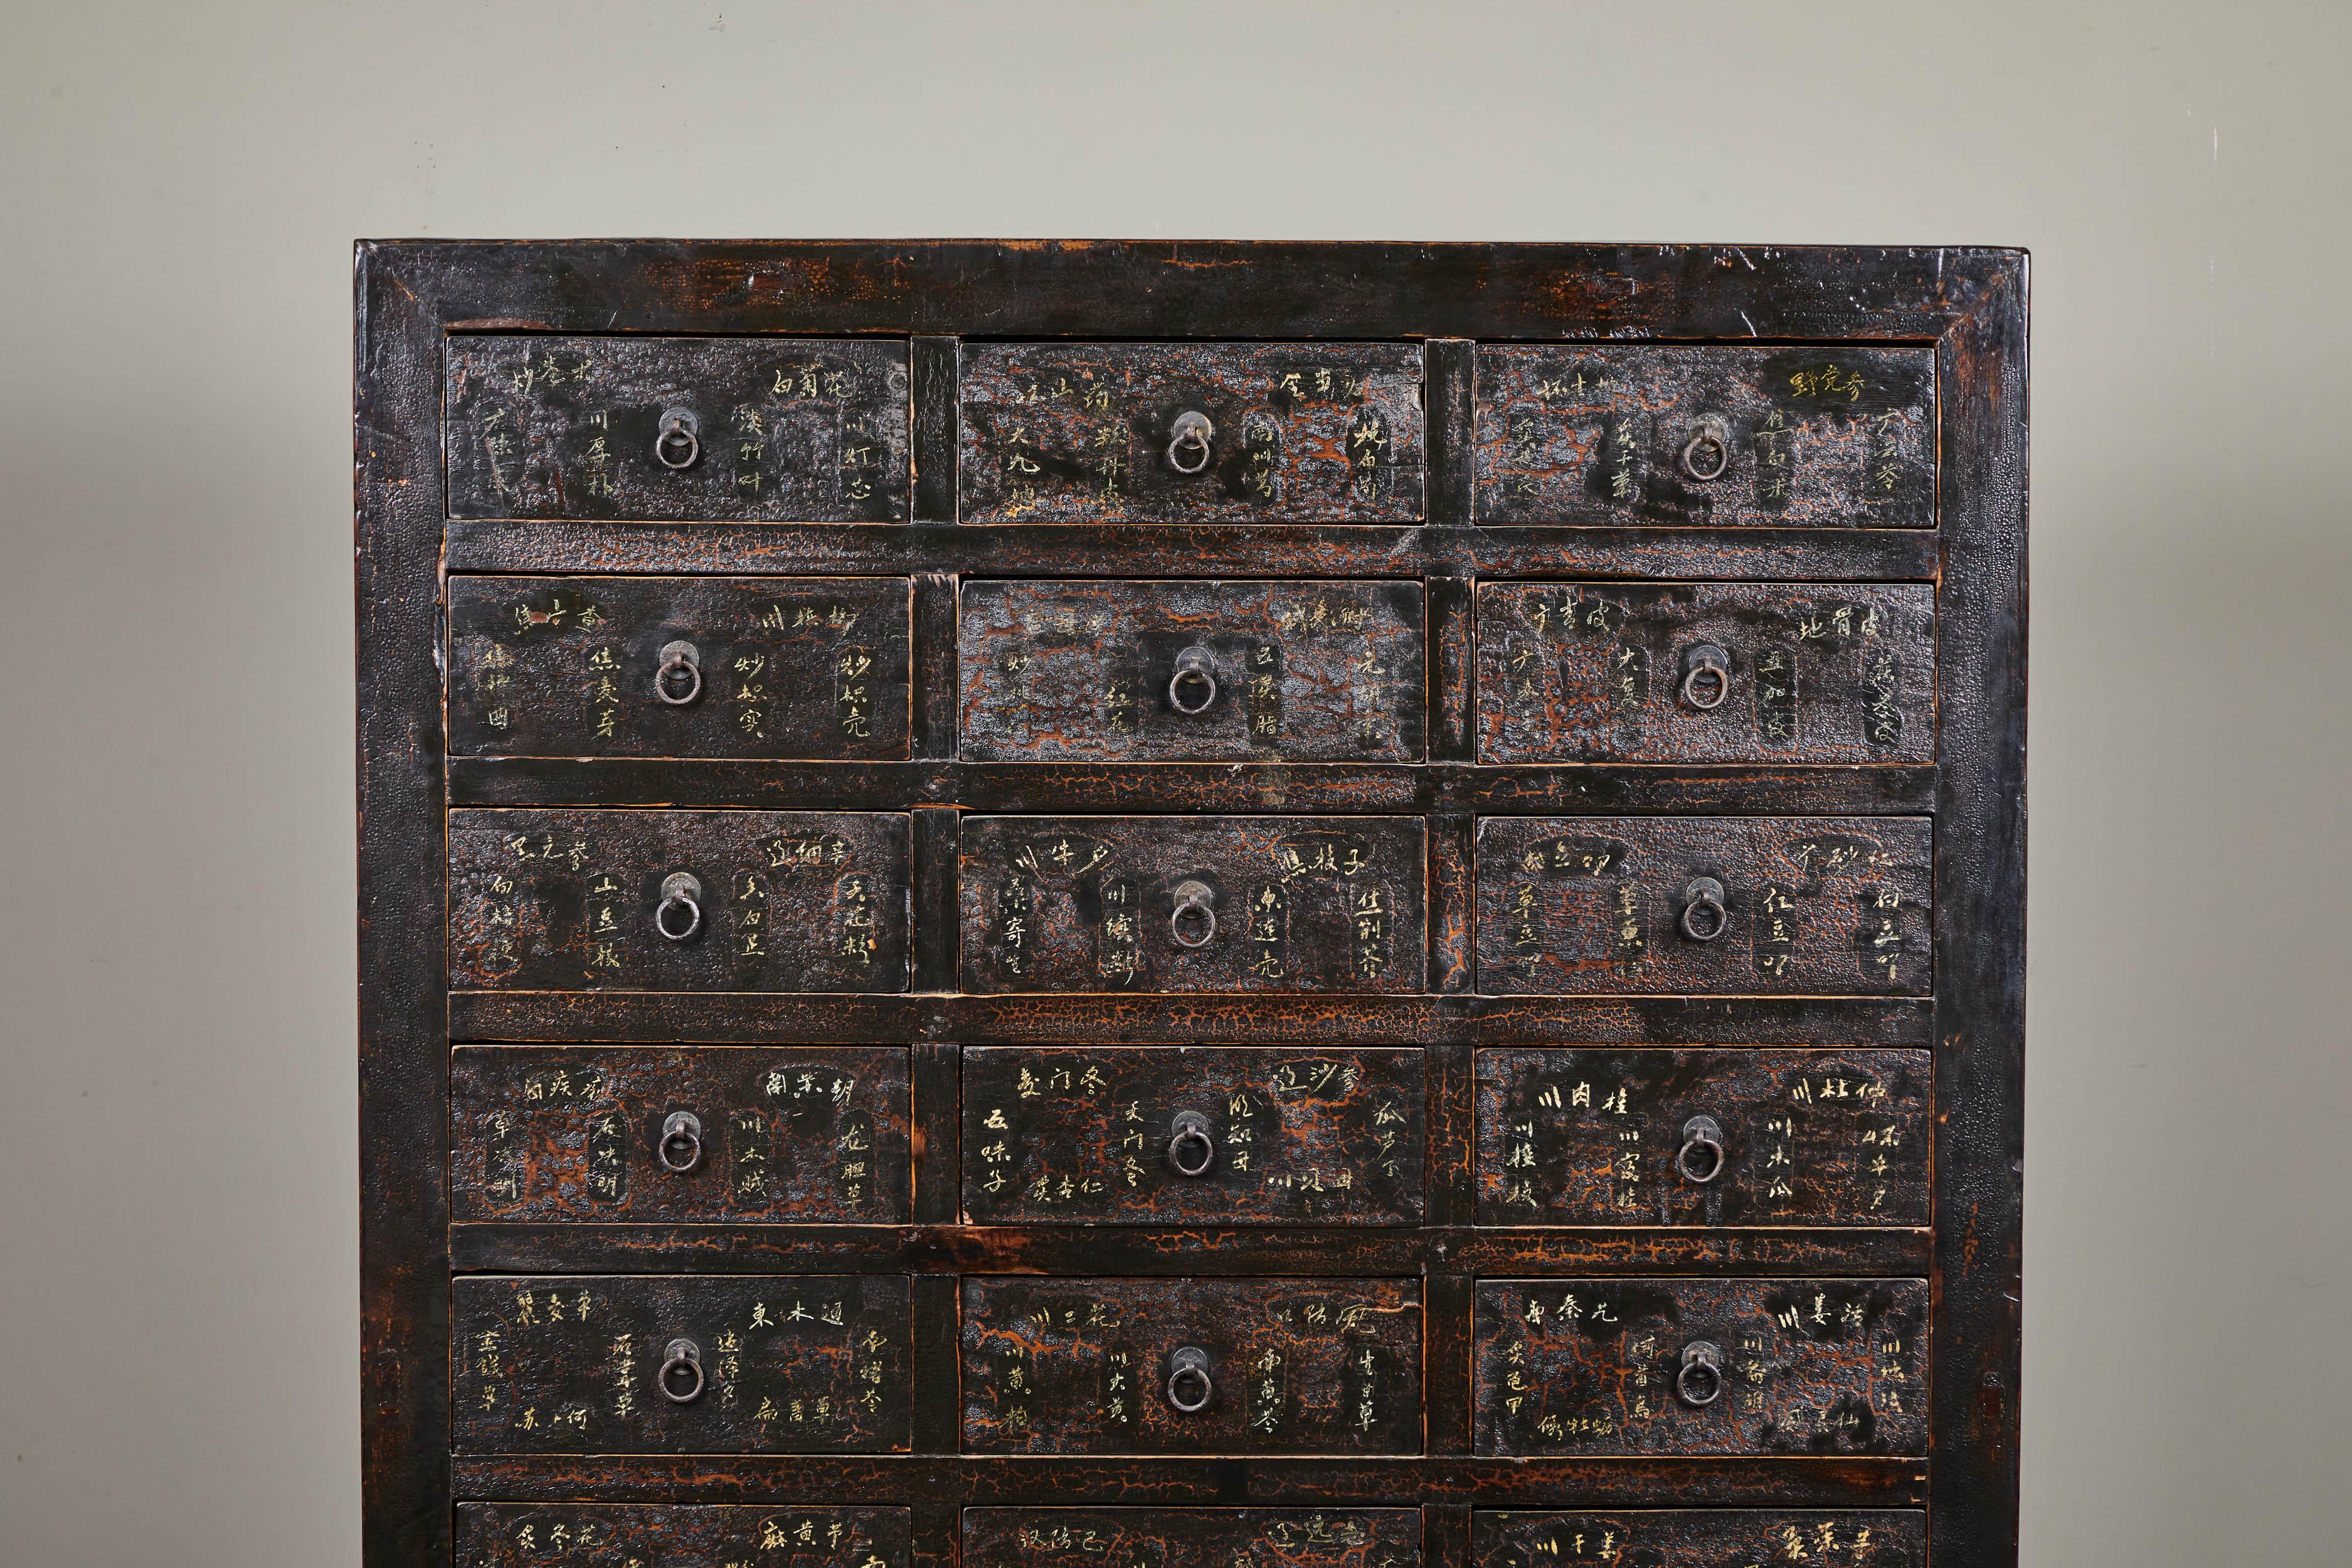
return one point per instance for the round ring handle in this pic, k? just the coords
(1709, 452)
(1699, 1382)
(1706, 677)
(1704, 915)
(1191, 1150)
(678, 440)
(682, 1356)
(680, 1149)
(1193, 899)
(680, 890)
(1700, 1159)
(1196, 674)
(1190, 434)
(1190, 1388)
(677, 656)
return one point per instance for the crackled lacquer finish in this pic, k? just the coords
(678, 666)
(1624, 672)
(1809, 905)
(1742, 1137)
(811, 1136)
(1284, 1136)
(680, 1535)
(1192, 1538)
(1110, 903)
(1802, 1366)
(1076, 432)
(1817, 436)
(583, 1365)
(1700, 1538)
(1292, 1366)
(1310, 670)
(788, 429)
(569, 900)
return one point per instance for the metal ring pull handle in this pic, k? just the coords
(1704, 915)
(1699, 1384)
(1189, 1388)
(1193, 899)
(1196, 677)
(678, 441)
(1709, 452)
(1700, 1159)
(1706, 677)
(682, 1356)
(680, 1149)
(679, 659)
(1191, 1150)
(1190, 435)
(680, 890)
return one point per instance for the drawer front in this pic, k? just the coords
(1699, 1137)
(589, 900)
(1819, 906)
(734, 1365)
(1700, 1366)
(680, 1535)
(1182, 671)
(1191, 1366)
(678, 666)
(1782, 437)
(1193, 903)
(1192, 1538)
(1701, 1538)
(1706, 672)
(722, 429)
(1191, 1134)
(813, 1135)
(1191, 433)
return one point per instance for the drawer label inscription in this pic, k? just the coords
(1701, 1538)
(680, 1535)
(1192, 1537)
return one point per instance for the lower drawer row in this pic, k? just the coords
(504, 1535)
(825, 1364)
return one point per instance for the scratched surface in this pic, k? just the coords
(802, 1363)
(1057, 1136)
(680, 1535)
(1812, 436)
(1824, 906)
(567, 900)
(1192, 1538)
(1072, 432)
(815, 1135)
(792, 429)
(1594, 1137)
(1807, 1366)
(1814, 673)
(1080, 671)
(1700, 1538)
(1294, 1366)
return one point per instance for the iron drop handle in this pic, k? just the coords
(1709, 451)
(678, 659)
(680, 1149)
(1190, 1388)
(1195, 903)
(681, 1359)
(1191, 1150)
(1187, 442)
(1706, 677)
(1704, 917)
(1193, 685)
(1699, 1382)
(681, 902)
(1700, 1159)
(677, 441)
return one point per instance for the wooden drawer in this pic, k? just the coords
(609, 1365)
(1075, 432)
(1819, 906)
(680, 1535)
(1191, 1366)
(1706, 672)
(678, 666)
(1193, 903)
(1703, 1137)
(724, 429)
(1190, 1134)
(1578, 433)
(811, 1135)
(1191, 671)
(1702, 1538)
(779, 901)
(1700, 1366)
(1192, 1538)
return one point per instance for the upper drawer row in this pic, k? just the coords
(820, 430)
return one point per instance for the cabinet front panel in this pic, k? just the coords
(1701, 1538)
(680, 1535)
(1192, 1538)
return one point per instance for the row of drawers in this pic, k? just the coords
(825, 1364)
(817, 668)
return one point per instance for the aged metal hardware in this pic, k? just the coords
(1191, 1150)
(1704, 917)
(1195, 899)
(1700, 1159)
(1190, 434)
(680, 1357)
(1699, 1382)
(679, 890)
(1709, 451)
(679, 659)
(1196, 676)
(1706, 677)
(1190, 1388)
(678, 440)
(680, 1149)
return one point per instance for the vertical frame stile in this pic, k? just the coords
(933, 669)
(1445, 1362)
(939, 1134)
(1448, 367)
(933, 927)
(1452, 607)
(933, 373)
(1452, 924)
(938, 1391)
(1445, 1535)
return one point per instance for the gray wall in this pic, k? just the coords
(177, 1189)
